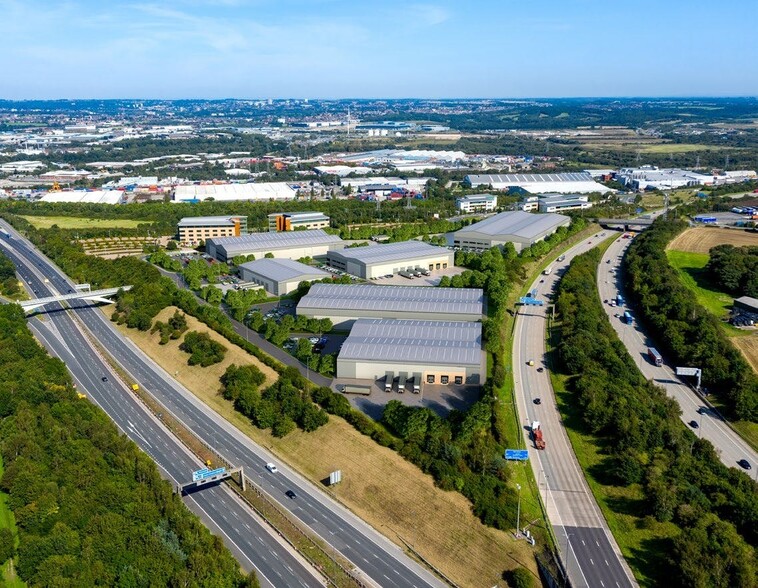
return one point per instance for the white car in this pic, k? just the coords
(272, 468)
(313, 340)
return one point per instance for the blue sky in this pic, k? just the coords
(367, 48)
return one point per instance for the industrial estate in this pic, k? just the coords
(379, 343)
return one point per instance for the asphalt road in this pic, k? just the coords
(375, 558)
(729, 446)
(589, 551)
(251, 541)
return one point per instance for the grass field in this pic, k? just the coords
(643, 541)
(378, 485)
(65, 222)
(8, 521)
(677, 148)
(691, 268)
(701, 239)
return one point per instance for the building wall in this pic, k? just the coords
(369, 370)
(286, 223)
(358, 268)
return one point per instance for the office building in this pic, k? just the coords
(476, 203)
(192, 230)
(293, 221)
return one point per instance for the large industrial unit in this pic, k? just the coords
(193, 229)
(85, 196)
(440, 352)
(379, 260)
(249, 191)
(345, 303)
(573, 183)
(476, 203)
(297, 221)
(280, 276)
(288, 245)
(518, 227)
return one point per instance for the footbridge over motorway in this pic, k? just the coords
(93, 296)
(612, 223)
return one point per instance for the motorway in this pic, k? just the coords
(729, 446)
(376, 559)
(251, 541)
(589, 552)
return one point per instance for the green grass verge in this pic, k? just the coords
(8, 521)
(65, 222)
(643, 541)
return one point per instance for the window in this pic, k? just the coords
(438, 266)
(444, 379)
(444, 265)
(430, 379)
(431, 266)
(459, 380)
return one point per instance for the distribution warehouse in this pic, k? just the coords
(440, 352)
(290, 245)
(250, 191)
(520, 228)
(345, 303)
(379, 260)
(576, 182)
(280, 276)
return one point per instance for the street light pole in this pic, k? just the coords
(518, 511)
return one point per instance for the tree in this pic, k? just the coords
(283, 425)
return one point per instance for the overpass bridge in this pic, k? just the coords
(93, 296)
(625, 222)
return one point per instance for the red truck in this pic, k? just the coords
(539, 442)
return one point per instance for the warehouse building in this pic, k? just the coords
(288, 245)
(297, 221)
(280, 276)
(225, 192)
(345, 303)
(380, 260)
(518, 227)
(85, 196)
(476, 203)
(193, 229)
(572, 183)
(440, 352)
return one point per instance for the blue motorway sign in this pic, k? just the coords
(206, 473)
(517, 454)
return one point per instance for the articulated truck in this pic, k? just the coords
(539, 442)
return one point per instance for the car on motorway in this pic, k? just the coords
(104, 379)
(540, 369)
(694, 424)
(290, 494)
(537, 401)
(272, 468)
(745, 464)
(530, 362)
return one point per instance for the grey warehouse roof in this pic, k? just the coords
(432, 342)
(518, 223)
(522, 178)
(282, 270)
(394, 298)
(274, 241)
(201, 221)
(390, 252)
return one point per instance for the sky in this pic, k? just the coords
(377, 49)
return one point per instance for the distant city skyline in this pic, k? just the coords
(364, 49)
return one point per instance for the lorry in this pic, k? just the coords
(619, 300)
(627, 317)
(401, 383)
(539, 442)
(389, 377)
(654, 356)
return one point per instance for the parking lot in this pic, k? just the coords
(441, 399)
(431, 280)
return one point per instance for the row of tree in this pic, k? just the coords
(91, 508)
(681, 327)
(8, 282)
(734, 269)
(645, 443)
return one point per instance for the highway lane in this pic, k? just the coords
(251, 541)
(589, 551)
(377, 559)
(730, 446)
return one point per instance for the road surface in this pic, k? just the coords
(589, 551)
(730, 447)
(375, 558)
